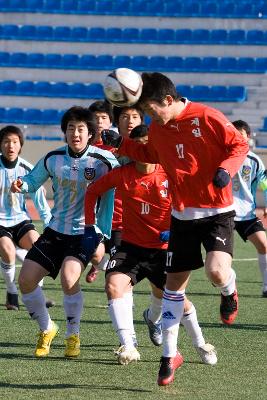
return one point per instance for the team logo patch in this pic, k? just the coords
(89, 173)
(246, 170)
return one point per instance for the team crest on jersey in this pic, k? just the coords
(246, 170)
(89, 173)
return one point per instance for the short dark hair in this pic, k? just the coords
(79, 114)
(12, 129)
(117, 111)
(139, 131)
(156, 87)
(240, 124)
(102, 106)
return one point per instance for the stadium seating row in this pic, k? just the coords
(139, 63)
(30, 116)
(95, 91)
(135, 35)
(191, 8)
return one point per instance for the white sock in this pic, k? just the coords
(8, 272)
(155, 309)
(120, 315)
(73, 306)
(21, 254)
(35, 304)
(190, 322)
(263, 268)
(229, 287)
(128, 297)
(172, 312)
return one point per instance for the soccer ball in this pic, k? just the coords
(123, 87)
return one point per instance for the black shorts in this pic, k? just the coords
(16, 232)
(215, 233)
(247, 228)
(53, 247)
(113, 243)
(139, 263)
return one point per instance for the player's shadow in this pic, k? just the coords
(252, 327)
(71, 386)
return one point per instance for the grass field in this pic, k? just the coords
(242, 348)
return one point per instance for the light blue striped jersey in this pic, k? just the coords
(251, 175)
(70, 177)
(13, 205)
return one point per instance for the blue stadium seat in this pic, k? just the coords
(121, 7)
(122, 61)
(79, 33)
(192, 64)
(34, 60)
(245, 64)
(218, 36)
(208, 9)
(139, 62)
(50, 117)
(85, 6)
(261, 65)
(4, 58)
(225, 9)
(166, 35)
(148, 35)
(201, 36)
(217, 93)
(17, 5)
(3, 114)
(175, 63)
(157, 63)
(97, 34)
(59, 89)
(172, 9)
(8, 87)
(184, 90)
(34, 5)
(200, 92)
(27, 32)
(32, 116)
(87, 61)
(104, 7)
(183, 36)
(243, 10)
(44, 32)
(25, 88)
(10, 31)
(95, 91)
(130, 34)
(17, 59)
(255, 36)
(52, 60)
(264, 128)
(113, 34)
(51, 5)
(62, 33)
(191, 9)
(42, 88)
(104, 61)
(236, 36)
(210, 64)
(77, 90)
(154, 8)
(14, 115)
(138, 7)
(236, 93)
(228, 64)
(70, 60)
(69, 6)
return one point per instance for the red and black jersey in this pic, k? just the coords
(145, 202)
(190, 149)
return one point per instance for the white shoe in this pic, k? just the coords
(125, 356)
(207, 354)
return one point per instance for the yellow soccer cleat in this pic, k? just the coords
(72, 346)
(44, 341)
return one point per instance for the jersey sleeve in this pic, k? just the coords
(36, 177)
(41, 205)
(227, 135)
(139, 151)
(99, 199)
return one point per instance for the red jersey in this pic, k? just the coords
(145, 200)
(190, 148)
